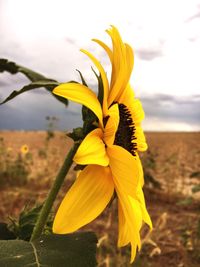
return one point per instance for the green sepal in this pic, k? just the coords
(100, 87)
(82, 78)
(77, 134)
(88, 117)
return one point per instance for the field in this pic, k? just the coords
(172, 174)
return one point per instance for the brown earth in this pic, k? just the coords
(172, 169)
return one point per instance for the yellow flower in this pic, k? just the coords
(24, 149)
(110, 152)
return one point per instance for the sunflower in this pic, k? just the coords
(24, 149)
(109, 152)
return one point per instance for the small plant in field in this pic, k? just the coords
(51, 125)
(42, 153)
(15, 173)
(149, 165)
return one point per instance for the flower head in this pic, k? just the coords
(110, 152)
(24, 149)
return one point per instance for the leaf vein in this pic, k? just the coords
(36, 255)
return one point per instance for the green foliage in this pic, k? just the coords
(149, 160)
(14, 173)
(195, 174)
(149, 165)
(5, 233)
(23, 227)
(31, 86)
(77, 134)
(37, 80)
(72, 250)
(89, 118)
(196, 188)
(150, 180)
(42, 153)
(185, 202)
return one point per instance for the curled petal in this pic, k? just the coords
(111, 125)
(82, 95)
(104, 79)
(105, 47)
(92, 150)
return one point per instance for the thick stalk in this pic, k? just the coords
(43, 216)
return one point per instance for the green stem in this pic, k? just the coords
(43, 216)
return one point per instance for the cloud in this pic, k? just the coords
(70, 41)
(170, 109)
(195, 16)
(148, 53)
(163, 112)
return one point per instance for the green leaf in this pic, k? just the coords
(23, 227)
(5, 233)
(13, 68)
(38, 80)
(31, 86)
(72, 250)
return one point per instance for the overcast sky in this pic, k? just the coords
(46, 36)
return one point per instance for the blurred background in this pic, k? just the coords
(46, 36)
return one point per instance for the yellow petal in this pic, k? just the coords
(127, 96)
(124, 233)
(140, 213)
(145, 214)
(131, 216)
(105, 47)
(141, 140)
(103, 76)
(80, 94)
(121, 66)
(85, 200)
(92, 150)
(129, 60)
(141, 173)
(125, 167)
(111, 125)
(123, 88)
(137, 111)
(130, 222)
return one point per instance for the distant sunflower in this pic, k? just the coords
(24, 149)
(110, 152)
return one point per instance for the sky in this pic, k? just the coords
(47, 36)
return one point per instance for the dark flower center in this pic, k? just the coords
(125, 134)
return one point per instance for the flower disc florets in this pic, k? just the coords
(125, 134)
